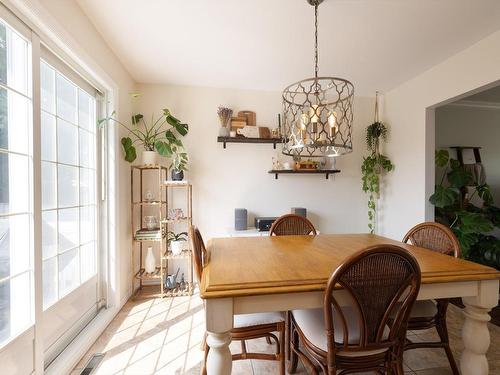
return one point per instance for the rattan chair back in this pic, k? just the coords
(382, 283)
(434, 236)
(199, 251)
(291, 224)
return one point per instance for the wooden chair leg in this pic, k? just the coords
(287, 334)
(207, 348)
(442, 330)
(282, 349)
(294, 345)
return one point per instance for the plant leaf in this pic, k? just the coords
(471, 222)
(128, 147)
(455, 164)
(442, 157)
(163, 148)
(443, 196)
(459, 178)
(170, 136)
(484, 193)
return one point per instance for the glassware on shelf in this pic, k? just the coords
(151, 222)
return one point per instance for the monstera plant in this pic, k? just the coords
(471, 224)
(161, 135)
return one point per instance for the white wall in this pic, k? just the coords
(469, 126)
(410, 185)
(237, 176)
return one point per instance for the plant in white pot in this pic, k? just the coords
(176, 241)
(160, 135)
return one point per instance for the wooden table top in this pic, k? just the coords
(246, 266)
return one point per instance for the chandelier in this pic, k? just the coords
(317, 112)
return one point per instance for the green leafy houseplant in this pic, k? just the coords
(172, 236)
(160, 135)
(470, 223)
(374, 166)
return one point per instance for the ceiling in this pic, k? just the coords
(268, 44)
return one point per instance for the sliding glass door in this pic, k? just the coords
(16, 204)
(69, 202)
(66, 158)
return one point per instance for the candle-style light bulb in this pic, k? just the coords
(332, 121)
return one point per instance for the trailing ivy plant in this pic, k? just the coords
(161, 135)
(471, 224)
(373, 167)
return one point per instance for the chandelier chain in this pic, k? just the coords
(316, 40)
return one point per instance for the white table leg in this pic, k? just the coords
(219, 360)
(219, 322)
(475, 334)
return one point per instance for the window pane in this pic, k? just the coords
(14, 180)
(14, 245)
(87, 186)
(13, 60)
(15, 305)
(48, 88)
(87, 224)
(86, 112)
(87, 149)
(49, 186)
(69, 272)
(49, 271)
(87, 261)
(67, 143)
(48, 137)
(68, 228)
(67, 186)
(49, 234)
(66, 99)
(18, 73)
(14, 121)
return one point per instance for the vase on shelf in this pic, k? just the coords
(177, 175)
(149, 158)
(150, 263)
(223, 132)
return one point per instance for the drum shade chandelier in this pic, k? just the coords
(317, 112)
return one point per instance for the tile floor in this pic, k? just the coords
(163, 336)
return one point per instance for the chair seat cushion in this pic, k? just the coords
(312, 324)
(248, 320)
(424, 309)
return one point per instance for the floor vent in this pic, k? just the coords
(92, 364)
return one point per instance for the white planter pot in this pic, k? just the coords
(150, 263)
(149, 158)
(176, 247)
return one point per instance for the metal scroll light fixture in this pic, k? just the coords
(317, 112)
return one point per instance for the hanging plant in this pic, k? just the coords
(374, 165)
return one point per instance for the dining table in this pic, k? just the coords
(245, 275)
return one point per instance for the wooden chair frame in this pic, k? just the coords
(439, 320)
(267, 331)
(342, 357)
(291, 224)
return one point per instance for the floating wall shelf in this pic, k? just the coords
(225, 140)
(326, 172)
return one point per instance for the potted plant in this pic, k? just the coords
(179, 165)
(160, 136)
(472, 224)
(176, 240)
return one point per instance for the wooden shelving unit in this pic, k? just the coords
(273, 141)
(326, 172)
(159, 207)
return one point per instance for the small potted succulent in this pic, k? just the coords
(176, 241)
(179, 165)
(160, 135)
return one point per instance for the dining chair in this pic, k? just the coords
(376, 283)
(429, 313)
(291, 224)
(246, 326)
